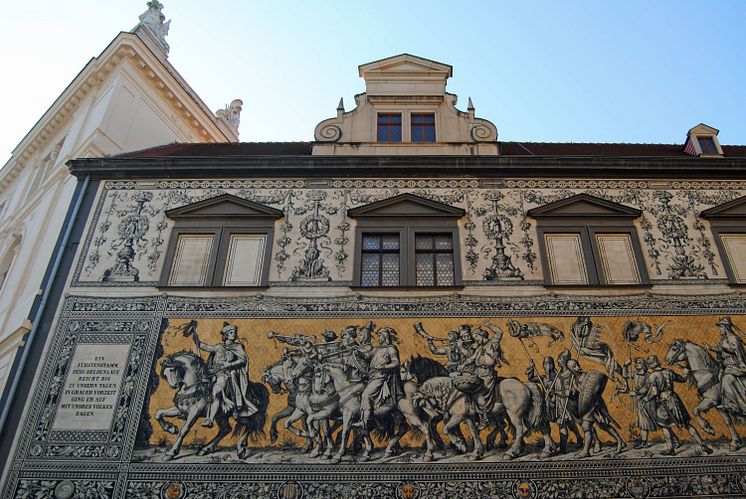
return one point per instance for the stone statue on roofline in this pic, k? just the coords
(155, 22)
(231, 114)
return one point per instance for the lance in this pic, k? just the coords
(536, 370)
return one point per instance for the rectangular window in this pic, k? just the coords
(617, 259)
(434, 260)
(423, 128)
(191, 260)
(566, 259)
(735, 251)
(380, 260)
(389, 127)
(707, 144)
(245, 258)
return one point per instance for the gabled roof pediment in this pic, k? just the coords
(405, 63)
(584, 205)
(224, 206)
(703, 129)
(731, 209)
(406, 205)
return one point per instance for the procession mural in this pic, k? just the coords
(403, 390)
(314, 241)
(442, 396)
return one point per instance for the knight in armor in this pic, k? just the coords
(586, 402)
(227, 367)
(585, 336)
(669, 409)
(556, 386)
(731, 353)
(645, 408)
(384, 380)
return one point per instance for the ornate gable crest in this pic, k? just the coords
(584, 205)
(406, 205)
(224, 206)
(731, 209)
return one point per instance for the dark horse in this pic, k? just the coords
(185, 371)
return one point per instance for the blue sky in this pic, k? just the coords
(633, 71)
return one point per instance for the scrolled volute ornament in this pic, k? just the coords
(482, 133)
(329, 133)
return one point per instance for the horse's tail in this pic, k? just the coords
(536, 417)
(254, 424)
(385, 427)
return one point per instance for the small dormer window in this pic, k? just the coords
(707, 145)
(701, 140)
(423, 127)
(389, 127)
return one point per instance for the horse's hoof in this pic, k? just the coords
(733, 446)
(427, 458)
(583, 454)
(509, 456)
(168, 457)
(365, 457)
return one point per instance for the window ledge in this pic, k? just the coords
(598, 286)
(213, 288)
(408, 288)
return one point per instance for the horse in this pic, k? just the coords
(522, 403)
(281, 377)
(704, 372)
(185, 371)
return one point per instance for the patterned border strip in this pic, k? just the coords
(434, 306)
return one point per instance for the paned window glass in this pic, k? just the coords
(423, 127)
(380, 260)
(434, 260)
(389, 127)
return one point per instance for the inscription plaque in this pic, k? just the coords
(89, 397)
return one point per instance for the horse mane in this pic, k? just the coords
(710, 363)
(195, 359)
(424, 368)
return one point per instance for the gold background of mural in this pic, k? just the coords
(263, 352)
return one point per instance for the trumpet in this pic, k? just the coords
(421, 331)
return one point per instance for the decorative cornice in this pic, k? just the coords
(572, 167)
(160, 74)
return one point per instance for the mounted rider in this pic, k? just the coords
(731, 353)
(450, 350)
(486, 356)
(227, 367)
(354, 365)
(384, 380)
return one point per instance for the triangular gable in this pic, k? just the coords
(406, 205)
(224, 206)
(584, 205)
(731, 209)
(703, 129)
(405, 63)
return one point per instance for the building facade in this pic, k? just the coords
(404, 307)
(128, 98)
